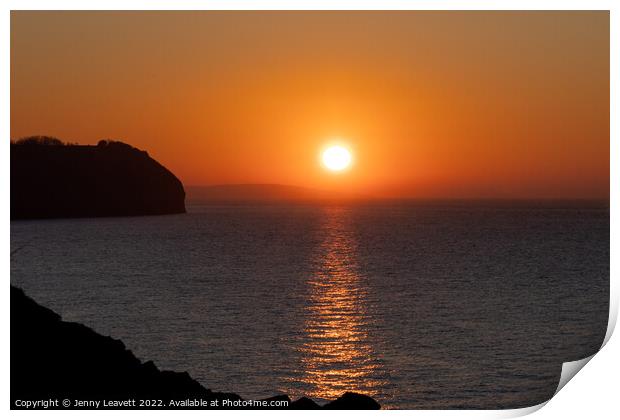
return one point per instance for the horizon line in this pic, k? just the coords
(365, 197)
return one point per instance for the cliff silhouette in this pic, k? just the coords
(55, 359)
(50, 179)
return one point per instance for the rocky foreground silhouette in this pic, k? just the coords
(50, 179)
(53, 361)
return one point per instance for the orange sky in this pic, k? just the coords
(433, 104)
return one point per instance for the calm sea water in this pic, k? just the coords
(418, 305)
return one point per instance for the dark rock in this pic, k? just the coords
(51, 358)
(353, 401)
(50, 179)
(304, 403)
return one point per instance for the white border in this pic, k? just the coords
(592, 395)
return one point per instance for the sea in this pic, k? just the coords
(419, 304)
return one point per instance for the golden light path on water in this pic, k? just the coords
(337, 355)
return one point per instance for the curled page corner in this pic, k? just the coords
(569, 370)
(520, 412)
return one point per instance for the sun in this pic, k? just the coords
(336, 158)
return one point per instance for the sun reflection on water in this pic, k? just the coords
(337, 355)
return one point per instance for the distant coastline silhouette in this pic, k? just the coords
(51, 179)
(263, 193)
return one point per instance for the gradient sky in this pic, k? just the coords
(432, 104)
